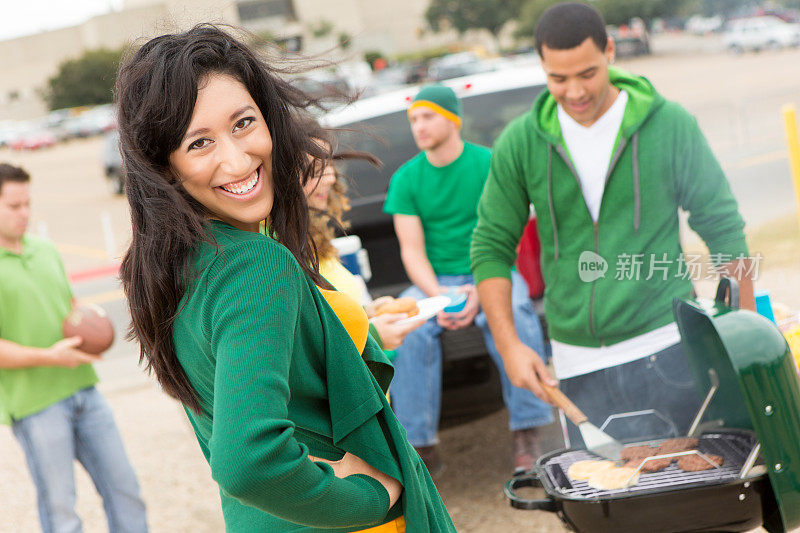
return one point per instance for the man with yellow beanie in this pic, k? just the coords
(433, 199)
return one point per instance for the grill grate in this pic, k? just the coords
(733, 447)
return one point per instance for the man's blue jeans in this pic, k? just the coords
(79, 427)
(417, 386)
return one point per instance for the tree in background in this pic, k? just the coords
(491, 15)
(614, 11)
(717, 7)
(371, 56)
(345, 40)
(529, 15)
(464, 15)
(86, 80)
(321, 29)
(726, 6)
(622, 11)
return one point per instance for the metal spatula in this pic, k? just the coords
(597, 441)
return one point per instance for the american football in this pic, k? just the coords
(91, 324)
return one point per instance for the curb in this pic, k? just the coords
(94, 273)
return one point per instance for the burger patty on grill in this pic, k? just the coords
(653, 465)
(696, 463)
(637, 453)
(677, 445)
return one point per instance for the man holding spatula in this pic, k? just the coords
(607, 163)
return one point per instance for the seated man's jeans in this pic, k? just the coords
(417, 386)
(80, 427)
(661, 382)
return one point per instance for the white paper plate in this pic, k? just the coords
(427, 308)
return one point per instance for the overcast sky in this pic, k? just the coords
(26, 17)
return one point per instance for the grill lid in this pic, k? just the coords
(758, 385)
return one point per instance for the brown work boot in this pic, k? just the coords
(526, 449)
(430, 456)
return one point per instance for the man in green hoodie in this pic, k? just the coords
(606, 162)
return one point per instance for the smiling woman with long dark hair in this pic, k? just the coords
(291, 419)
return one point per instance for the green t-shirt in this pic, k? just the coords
(35, 297)
(446, 201)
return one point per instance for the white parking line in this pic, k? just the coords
(756, 160)
(104, 297)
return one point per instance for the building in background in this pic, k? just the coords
(309, 26)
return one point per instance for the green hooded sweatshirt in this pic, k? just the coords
(661, 162)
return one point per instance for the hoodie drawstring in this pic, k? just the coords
(637, 194)
(550, 198)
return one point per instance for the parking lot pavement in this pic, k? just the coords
(175, 478)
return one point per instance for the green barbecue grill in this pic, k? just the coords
(745, 372)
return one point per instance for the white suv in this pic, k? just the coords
(379, 125)
(760, 33)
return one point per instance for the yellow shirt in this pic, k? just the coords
(344, 303)
(337, 275)
(351, 315)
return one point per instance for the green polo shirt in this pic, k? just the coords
(35, 297)
(446, 201)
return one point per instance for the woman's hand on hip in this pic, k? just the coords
(351, 464)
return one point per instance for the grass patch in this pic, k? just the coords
(778, 241)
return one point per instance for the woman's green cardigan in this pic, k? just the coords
(279, 378)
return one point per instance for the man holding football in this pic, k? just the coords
(47, 392)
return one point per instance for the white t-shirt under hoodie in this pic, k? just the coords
(590, 149)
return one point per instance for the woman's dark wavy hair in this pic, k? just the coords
(156, 93)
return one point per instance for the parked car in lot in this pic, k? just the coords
(631, 39)
(760, 33)
(379, 125)
(700, 25)
(8, 130)
(387, 80)
(112, 162)
(455, 66)
(95, 121)
(31, 136)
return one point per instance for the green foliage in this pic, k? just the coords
(614, 11)
(370, 56)
(621, 11)
(463, 15)
(86, 80)
(264, 37)
(321, 29)
(715, 7)
(529, 16)
(424, 55)
(345, 40)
